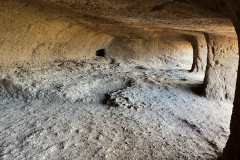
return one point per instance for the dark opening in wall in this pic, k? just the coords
(101, 52)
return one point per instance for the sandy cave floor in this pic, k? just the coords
(103, 109)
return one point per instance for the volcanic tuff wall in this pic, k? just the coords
(232, 149)
(33, 32)
(166, 53)
(37, 33)
(221, 73)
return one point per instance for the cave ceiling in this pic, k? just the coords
(153, 18)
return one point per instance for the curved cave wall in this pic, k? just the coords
(35, 33)
(167, 53)
(39, 33)
(232, 149)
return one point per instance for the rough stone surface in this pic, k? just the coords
(167, 53)
(187, 15)
(232, 149)
(221, 73)
(200, 52)
(102, 110)
(43, 30)
(35, 33)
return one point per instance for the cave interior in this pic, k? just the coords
(110, 79)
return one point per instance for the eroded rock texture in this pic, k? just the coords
(38, 33)
(47, 30)
(200, 51)
(221, 73)
(30, 32)
(232, 150)
(159, 16)
(162, 53)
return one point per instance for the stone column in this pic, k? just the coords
(231, 9)
(222, 65)
(199, 46)
(232, 149)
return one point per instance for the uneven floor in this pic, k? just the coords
(102, 109)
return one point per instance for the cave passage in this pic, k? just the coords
(164, 89)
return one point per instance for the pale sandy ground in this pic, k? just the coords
(101, 109)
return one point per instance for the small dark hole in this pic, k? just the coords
(101, 53)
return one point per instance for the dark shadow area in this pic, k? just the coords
(198, 89)
(101, 53)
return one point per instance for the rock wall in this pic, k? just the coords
(36, 33)
(232, 149)
(235, 121)
(168, 53)
(31, 32)
(200, 51)
(221, 73)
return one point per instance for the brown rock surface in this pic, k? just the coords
(232, 149)
(221, 73)
(33, 32)
(184, 15)
(200, 52)
(38, 33)
(161, 53)
(156, 33)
